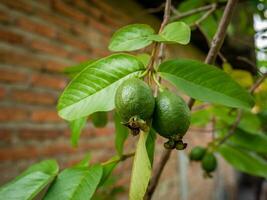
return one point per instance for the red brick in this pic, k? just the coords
(96, 13)
(30, 152)
(2, 93)
(27, 60)
(45, 116)
(99, 26)
(4, 17)
(48, 47)
(18, 5)
(100, 52)
(11, 76)
(54, 19)
(110, 11)
(67, 10)
(80, 57)
(39, 134)
(73, 41)
(36, 27)
(13, 114)
(5, 135)
(11, 37)
(33, 97)
(54, 66)
(48, 81)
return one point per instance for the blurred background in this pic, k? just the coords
(38, 39)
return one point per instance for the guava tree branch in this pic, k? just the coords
(214, 50)
(192, 12)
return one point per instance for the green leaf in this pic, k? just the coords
(76, 127)
(94, 88)
(144, 58)
(141, 171)
(85, 161)
(31, 182)
(99, 119)
(176, 32)
(131, 37)
(250, 141)
(121, 134)
(72, 71)
(205, 82)
(201, 117)
(108, 167)
(244, 161)
(150, 144)
(75, 183)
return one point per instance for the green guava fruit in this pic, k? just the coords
(197, 153)
(209, 162)
(99, 119)
(134, 98)
(171, 116)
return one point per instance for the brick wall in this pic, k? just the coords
(37, 40)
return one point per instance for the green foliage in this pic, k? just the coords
(99, 119)
(141, 171)
(176, 32)
(72, 71)
(213, 85)
(150, 144)
(77, 183)
(249, 141)
(131, 37)
(243, 160)
(121, 134)
(27, 185)
(98, 81)
(108, 167)
(76, 127)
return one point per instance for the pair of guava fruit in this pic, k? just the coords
(167, 114)
(208, 159)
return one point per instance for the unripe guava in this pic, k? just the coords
(171, 115)
(197, 153)
(134, 98)
(209, 162)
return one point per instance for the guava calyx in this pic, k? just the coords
(135, 124)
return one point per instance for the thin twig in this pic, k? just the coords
(192, 12)
(205, 16)
(147, 11)
(246, 60)
(215, 47)
(219, 36)
(257, 83)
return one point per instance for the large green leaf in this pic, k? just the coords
(72, 71)
(141, 171)
(150, 144)
(249, 141)
(121, 134)
(108, 167)
(131, 37)
(93, 89)
(176, 32)
(31, 182)
(77, 183)
(244, 161)
(76, 127)
(205, 82)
